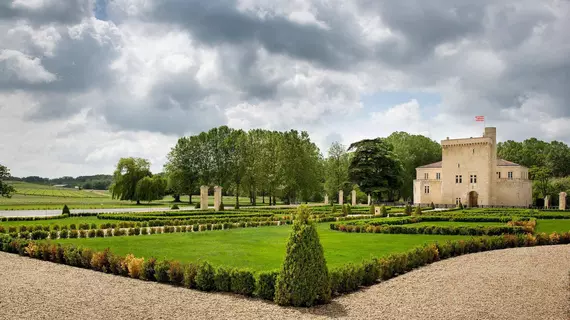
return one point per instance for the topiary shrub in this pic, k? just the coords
(304, 278)
(432, 206)
(383, 211)
(197, 205)
(461, 206)
(408, 209)
(242, 282)
(148, 269)
(174, 207)
(371, 212)
(222, 279)
(205, 277)
(176, 273)
(418, 211)
(161, 269)
(266, 285)
(222, 206)
(65, 210)
(190, 275)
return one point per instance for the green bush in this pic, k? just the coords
(266, 285)
(242, 282)
(148, 269)
(418, 211)
(205, 277)
(65, 210)
(63, 234)
(197, 205)
(176, 273)
(432, 206)
(303, 279)
(222, 280)
(383, 211)
(161, 269)
(371, 211)
(175, 207)
(347, 278)
(190, 272)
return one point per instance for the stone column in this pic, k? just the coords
(562, 205)
(353, 197)
(341, 197)
(369, 200)
(547, 202)
(204, 198)
(326, 199)
(217, 198)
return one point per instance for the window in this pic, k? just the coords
(459, 179)
(457, 201)
(458, 165)
(499, 175)
(438, 176)
(473, 178)
(426, 176)
(426, 189)
(510, 175)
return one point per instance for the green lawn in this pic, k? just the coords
(257, 248)
(549, 226)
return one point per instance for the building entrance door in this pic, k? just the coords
(473, 199)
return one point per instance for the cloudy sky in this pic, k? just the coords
(85, 82)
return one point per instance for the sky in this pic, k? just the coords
(86, 82)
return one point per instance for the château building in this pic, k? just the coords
(471, 173)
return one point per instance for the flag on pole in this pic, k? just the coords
(480, 118)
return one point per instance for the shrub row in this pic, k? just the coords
(202, 276)
(61, 216)
(351, 277)
(442, 230)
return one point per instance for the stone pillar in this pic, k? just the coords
(369, 200)
(204, 198)
(341, 197)
(353, 197)
(377, 211)
(326, 199)
(217, 198)
(562, 205)
(547, 202)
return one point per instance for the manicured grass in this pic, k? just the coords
(556, 225)
(257, 248)
(61, 222)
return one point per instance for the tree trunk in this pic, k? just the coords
(263, 196)
(274, 201)
(190, 198)
(138, 202)
(176, 198)
(270, 200)
(237, 196)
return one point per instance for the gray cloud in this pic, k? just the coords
(48, 11)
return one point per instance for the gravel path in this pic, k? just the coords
(522, 283)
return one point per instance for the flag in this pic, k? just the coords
(480, 118)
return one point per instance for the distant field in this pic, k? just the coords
(30, 196)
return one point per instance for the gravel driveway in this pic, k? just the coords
(522, 283)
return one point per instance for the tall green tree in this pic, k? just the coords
(238, 153)
(541, 177)
(149, 189)
(375, 168)
(182, 167)
(128, 173)
(6, 190)
(413, 151)
(336, 170)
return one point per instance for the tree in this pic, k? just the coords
(375, 168)
(6, 190)
(336, 170)
(128, 173)
(149, 189)
(413, 151)
(304, 279)
(182, 167)
(238, 152)
(541, 176)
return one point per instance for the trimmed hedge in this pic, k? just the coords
(343, 280)
(441, 230)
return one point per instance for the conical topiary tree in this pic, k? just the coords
(418, 211)
(372, 209)
(304, 278)
(65, 210)
(384, 211)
